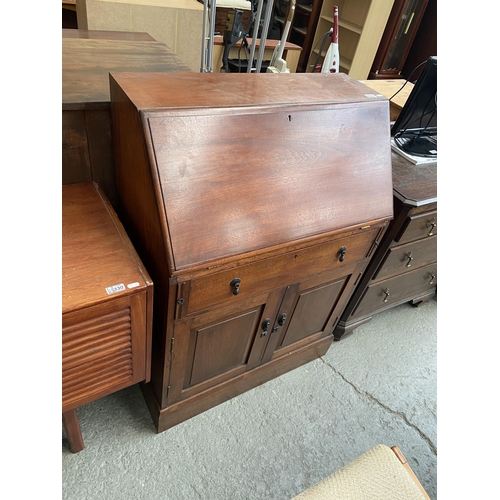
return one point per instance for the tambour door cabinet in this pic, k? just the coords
(404, 267)
(106, 305)
(255, 204)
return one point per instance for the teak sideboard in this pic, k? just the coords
(107, 300)
(256, 205)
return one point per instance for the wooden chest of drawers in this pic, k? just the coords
(404, 268)
(106, 305)
(255, 204)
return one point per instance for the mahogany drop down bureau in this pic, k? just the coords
(106, 305)
(256, 204)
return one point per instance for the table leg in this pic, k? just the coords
(73, 432)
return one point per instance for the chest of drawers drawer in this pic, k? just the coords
(417, 226)
(384, 294)
(403, 258)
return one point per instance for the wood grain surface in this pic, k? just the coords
(87, 62)
(96, 253)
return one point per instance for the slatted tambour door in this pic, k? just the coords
(97, 354)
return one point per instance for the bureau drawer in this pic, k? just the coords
(404, 258)
(266, 275)
(401, 288)
(418, 226)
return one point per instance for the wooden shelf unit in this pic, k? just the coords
(397, 40)
(361, 25)
(303, 29)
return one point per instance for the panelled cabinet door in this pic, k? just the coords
(308, 313)
(219, 345)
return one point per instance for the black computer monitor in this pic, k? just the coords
(415, 130)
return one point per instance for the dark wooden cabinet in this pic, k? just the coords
(106, 305)
(255, 211)
(401, 29)
(404, 268)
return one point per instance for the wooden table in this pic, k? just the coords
(388, 88)
(176, 23)
(87, 59)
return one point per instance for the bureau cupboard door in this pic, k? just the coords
(308, 313)
(219, 345)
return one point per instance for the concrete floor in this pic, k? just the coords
(377, 385)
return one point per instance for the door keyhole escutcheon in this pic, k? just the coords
(265, 327)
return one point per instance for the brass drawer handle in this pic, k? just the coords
(408, 257)
(386, 293)
(433, 277)
(431, 224)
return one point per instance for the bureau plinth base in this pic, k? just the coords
(166, 418)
